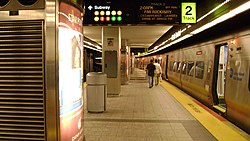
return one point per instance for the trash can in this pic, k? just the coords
(96, 91)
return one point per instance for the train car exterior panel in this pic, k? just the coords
(174, 71)
(198, 92)
(237, 85)
(195, 78)
(202, 57)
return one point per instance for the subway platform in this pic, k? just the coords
(162, 113)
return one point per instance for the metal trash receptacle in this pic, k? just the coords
(96, 91)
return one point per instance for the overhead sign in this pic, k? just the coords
(188, 12)
(108, 12)
(158, 12)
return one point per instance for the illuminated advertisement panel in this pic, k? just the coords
(70, 40)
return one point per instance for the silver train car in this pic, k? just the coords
(215, 72)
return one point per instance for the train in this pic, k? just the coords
(215, 71)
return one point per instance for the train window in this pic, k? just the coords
(183, 71)
(175, 66)
(190, 68)
(179, 67)
(199, 69)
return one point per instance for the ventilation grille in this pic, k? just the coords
(22, 114)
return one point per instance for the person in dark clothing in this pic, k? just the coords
(150, 69)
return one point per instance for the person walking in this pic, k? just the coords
(150, 69)
(158, 72)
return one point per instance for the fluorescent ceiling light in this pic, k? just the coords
(99, 58)
(89, 43)
(98, 47)
(92, 48)
(224, 17)
(132, 46)
(217, 7)
(181, 38)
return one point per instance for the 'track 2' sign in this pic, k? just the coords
(188, 12)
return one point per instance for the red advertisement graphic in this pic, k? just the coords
(70, 17)
(72, 126)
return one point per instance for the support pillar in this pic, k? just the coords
(124, 62)
(111, 43)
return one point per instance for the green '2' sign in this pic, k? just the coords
(188, 12)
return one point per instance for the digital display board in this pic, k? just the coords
(103, 12)
(158, 12)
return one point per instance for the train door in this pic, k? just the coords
(166, 70)
(220, 64)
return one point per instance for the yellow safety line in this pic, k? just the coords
(221, 130)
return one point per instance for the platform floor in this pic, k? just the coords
(144, 114)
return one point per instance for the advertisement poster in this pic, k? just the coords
(70, 41)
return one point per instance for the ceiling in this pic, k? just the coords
(137, 36)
